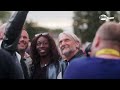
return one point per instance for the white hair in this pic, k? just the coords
(2, 27)
(71, 36)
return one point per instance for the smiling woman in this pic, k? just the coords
(45, 56)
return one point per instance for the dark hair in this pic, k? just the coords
(88, 49)
(54, 53)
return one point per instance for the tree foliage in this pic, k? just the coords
(86, 23)
(33, 29)
(4, 16)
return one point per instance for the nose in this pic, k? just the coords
(41, 45)
(21, 38)
(62, 43)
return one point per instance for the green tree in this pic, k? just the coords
(4, 16)
(33, 29)
(87, 22)
(57, 31)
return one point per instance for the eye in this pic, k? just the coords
(45, 43)
(67, 40)
(24, 37)
(38, 44)
(60, 42)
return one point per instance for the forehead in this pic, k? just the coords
(24, 33)
(42, 39)
(64, 36)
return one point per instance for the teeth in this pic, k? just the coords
(21, 43)
(42, 50)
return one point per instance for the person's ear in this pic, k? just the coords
(78, 45)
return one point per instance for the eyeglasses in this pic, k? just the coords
(41, 34)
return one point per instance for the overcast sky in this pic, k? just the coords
(52, 19)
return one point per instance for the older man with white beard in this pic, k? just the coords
(70, 48)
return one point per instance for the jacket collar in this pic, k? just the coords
(78, 54)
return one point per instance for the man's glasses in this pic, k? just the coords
(41, 34)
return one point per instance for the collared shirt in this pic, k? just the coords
(78, 54)
(18, 56)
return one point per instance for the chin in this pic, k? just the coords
(66, 53)
(21, 49)
(43, 55)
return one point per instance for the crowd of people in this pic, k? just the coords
(46, 60)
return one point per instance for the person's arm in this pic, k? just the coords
(9, 69)
(13, 30)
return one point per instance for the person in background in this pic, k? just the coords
(70, 48)
(21, 49)
(45, 56)
(104, 62)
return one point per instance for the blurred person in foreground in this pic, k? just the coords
(8, 67)
(10, 37)
(104, 62)
(21, 49)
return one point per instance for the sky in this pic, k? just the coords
(52, 19)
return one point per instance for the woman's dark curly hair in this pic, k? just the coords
(53, 50)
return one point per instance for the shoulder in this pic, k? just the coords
(4, 54)
(5, 58)
(26, 55)
(75, 67)
(80, 62)
(80, 59)
(61, 61)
